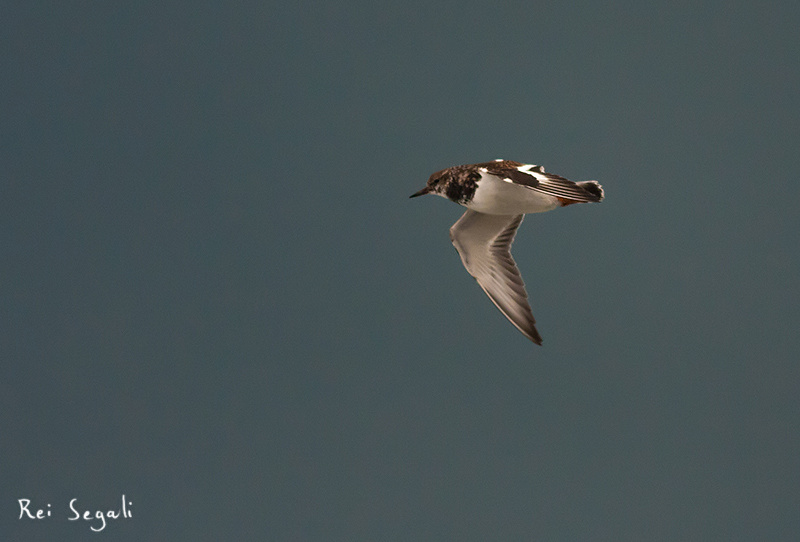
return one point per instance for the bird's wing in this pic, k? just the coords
(535, 178)
(484, 243)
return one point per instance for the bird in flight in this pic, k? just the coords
(497, 196)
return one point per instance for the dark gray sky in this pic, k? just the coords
(219, 301)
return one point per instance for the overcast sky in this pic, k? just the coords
(219, 301)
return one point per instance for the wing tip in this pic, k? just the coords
(533, 335)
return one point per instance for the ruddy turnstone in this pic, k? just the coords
(497, 196)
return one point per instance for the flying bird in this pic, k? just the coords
(497, 196)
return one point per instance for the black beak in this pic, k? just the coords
(422, 192)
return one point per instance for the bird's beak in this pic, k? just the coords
(422, 192)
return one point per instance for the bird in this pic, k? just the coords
(497, 196)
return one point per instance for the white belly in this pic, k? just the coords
(497, 197)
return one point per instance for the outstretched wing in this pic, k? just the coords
(484, 243)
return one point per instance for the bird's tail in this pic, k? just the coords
(594, 188)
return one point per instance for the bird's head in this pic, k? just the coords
(436, 184)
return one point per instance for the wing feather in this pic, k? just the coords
(484, 242)
(535, 178)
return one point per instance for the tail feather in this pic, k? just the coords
(594, 188)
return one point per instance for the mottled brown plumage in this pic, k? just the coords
(497, 195)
